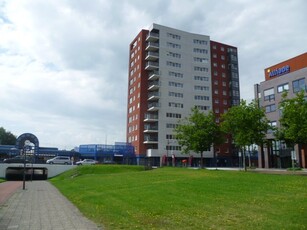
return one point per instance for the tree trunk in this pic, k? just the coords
(201, 160)
(249, 156)
(243, 160)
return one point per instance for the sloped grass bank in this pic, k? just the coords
(127, 197)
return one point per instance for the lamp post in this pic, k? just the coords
(24, 168)
(26, 145)
(167, 147)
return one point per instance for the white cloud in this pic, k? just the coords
(64, 64)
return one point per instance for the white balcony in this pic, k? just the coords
(152, 56)
(151, 117)
(152, 46)
(154, 86)
(153, 107)
(150, 128)
(154, 75)
(151, 65)
(153, 96)
(151, 37)
(151, 141)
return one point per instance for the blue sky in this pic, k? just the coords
(64, 64)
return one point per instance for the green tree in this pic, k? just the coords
(198, 133)
(293, 121)
(247, 124)
(6, 137)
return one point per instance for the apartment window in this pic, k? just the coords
(171, 125)
(175, 74)
(200, 51)
(223, 75)
(201, 98)
(270, 108)
(215, 64)
(170, 136)
(202, 107)
(173, 115)
(175, 105)
(269, 94)
(175, 84)
(200, 87)
(174, 55)
(203, 60)
(298, 85)
(173, 64)
(223, 57)
(223, 66)
(235, 84)
(235, 93)
(215, 73)
(174, 36)
(173, 45)
(216, 82)
(216, 101)
(200, 42)
(174, 94)
(224, 83)
(214, 55)
(201, 69)
(216, 91)
(273, 124)
(224, 92)
(225, 102)
(222, 48)
(282, 88)
(201, 78)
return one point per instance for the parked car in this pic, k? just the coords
(59, 160)
(86, 162)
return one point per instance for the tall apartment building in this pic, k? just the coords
(170, 72)
(290, 76)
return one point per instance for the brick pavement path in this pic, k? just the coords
(41, 206)
(7, 189)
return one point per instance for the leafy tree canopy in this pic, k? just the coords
(246, 123)
(198, 132)
(6, 137)
(293, 119)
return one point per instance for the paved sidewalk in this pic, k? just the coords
(7, 189)
(41, 206)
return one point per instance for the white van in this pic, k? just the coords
(59, 160)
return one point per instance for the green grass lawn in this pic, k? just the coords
(127, 197)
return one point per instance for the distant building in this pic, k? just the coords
(290, 76)
(170, 72)
(119, 153)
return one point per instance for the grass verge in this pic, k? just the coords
(126, 197)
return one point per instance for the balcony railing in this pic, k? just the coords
(152, 37)
(152, 46)
(153, 96)
(153, 106)
(151, 117)
(151, 56)
(152, 65)
(154, 75)
(155, 85)
(150, 129)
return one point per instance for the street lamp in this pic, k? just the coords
(25, 147)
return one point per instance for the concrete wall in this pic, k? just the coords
(53, 170)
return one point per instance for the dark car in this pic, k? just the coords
(15, 160)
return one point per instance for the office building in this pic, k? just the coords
(170, 72)
(290, 76)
